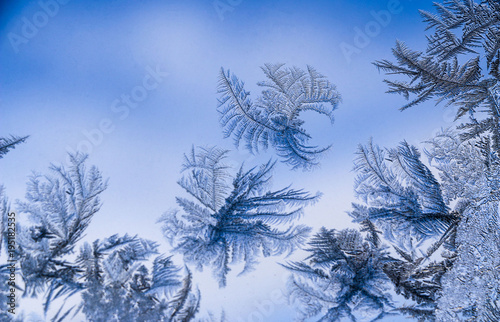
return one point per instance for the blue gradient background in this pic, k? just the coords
(64, 80)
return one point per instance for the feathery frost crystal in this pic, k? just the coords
(225, 223)
(274, 118)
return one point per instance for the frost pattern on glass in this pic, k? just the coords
(9, 143)
(342, 277)
(464, 31)
(110, 277)
(274, 118)
(223, 223)
(470, 172)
